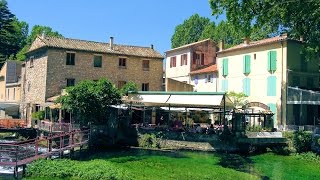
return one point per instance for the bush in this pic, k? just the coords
(64, 168)
(38, 115)
(149, 141)
(302, 141)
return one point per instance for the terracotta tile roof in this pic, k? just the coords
(99, 47)
(257, 43)
(211, 68)
(191, 44)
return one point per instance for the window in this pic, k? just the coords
(8, 95)
(224, 85)
(209, 78)
(70, 59)
(122, 62)
(31, 61)
(246, 64)
(145, 65)
(196, 79)
(97, 61)
(246, 86)
(29, 86)
(14, 93)
(271, 86)
(225, 67)
(254, 56)
(145, 87)
(198, 58)
(184, 59)
(173, 62)
(70, 82)
(303, 63)
(272, 61)
(121, 84)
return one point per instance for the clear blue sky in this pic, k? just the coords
(131, 22)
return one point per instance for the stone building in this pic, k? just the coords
(54, 63)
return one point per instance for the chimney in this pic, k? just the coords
(43, 34)
(246, 40)
(111, 43)
(151, 46)
(221, 45)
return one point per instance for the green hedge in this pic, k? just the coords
(299, 141)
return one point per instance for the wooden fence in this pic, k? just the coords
(21, 153)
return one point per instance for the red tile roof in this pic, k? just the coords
(257, 43)
(211, 68)
(191, 44)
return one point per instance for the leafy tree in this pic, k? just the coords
(129, 86)
(91, 101)
(298, 18)
(238, 99)
(36, 30)
(189, 31)
(6, 28)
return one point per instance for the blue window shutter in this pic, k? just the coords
(271, 86)
(196, 79)
(273, 108)
(246, 86)
(224, 85)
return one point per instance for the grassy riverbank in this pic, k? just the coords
(144, 164)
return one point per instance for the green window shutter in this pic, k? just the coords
(247, 64)
(225, 67)
(271, 86)
(273, 65)
(269, 61)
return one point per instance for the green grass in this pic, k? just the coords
(146, 164)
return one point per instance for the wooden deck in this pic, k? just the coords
(22, 153)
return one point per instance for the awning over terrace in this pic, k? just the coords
(302, 96)
(5, 105)
(180, 99)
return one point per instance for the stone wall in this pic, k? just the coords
(83, 69)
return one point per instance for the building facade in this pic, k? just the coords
(263, 70)
(205, 79)
(182, 60)
(53, 64)
(10, 89)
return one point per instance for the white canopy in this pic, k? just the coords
(303, 96)
(180, 99)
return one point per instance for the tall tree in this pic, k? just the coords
(189, 31)
(36, 30)
(6, 28)
(299, 18)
